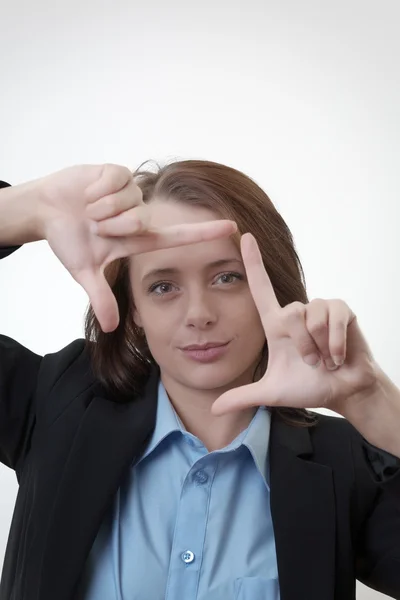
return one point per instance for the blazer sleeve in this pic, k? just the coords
(3, 250)
(384, 465)
(378, 542)
(19, 368)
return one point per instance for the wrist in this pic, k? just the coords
(375, 413)
(20, 214)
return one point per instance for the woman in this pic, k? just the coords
(170, 454)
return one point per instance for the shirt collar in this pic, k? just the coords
(167, 421)
(255, 437)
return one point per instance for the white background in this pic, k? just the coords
(302, 96)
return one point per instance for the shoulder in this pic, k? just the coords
(69, 365)
(338, 443)
(335, 432)
(370, 470)
(65, 374)
(332, 432)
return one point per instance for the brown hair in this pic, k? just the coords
(121, 359)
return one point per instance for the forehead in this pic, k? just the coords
(170, 212)
(166, 213)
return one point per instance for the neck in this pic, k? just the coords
(193, 407)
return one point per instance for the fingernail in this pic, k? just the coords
(330, 365)
(312, 359)
(338, 360)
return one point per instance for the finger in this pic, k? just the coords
(239, 399)
(114, 204)
(178, 235)
(111, 179)
(326, 322)
(317, 324)
(101, 298)
(129, 222)
(193, 233)
(258, 279)
(294, 319)
(339, 319)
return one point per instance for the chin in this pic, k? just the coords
(210, 377)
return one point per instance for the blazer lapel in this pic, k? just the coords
(110, 436)
(303, 515)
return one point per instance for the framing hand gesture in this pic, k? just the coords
(317, 354)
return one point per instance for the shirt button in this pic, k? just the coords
(188, 557)
(201, 477)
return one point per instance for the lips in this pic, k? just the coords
(205, 353)
(204, 346)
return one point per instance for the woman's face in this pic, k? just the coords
(196, 302)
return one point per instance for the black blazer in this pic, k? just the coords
(71, 445)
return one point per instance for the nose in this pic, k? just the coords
(200, 312)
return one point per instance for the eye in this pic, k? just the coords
(164, 286)
(160, 284)
(229, 275)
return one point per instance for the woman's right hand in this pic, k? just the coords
(77, 199)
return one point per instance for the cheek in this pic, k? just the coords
(160, 342)
(250, 327)
(247, 313)
(158, 331)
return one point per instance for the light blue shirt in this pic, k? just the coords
(188, 524)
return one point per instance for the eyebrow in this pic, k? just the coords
(174, 271)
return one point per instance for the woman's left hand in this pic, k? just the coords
(326, 328)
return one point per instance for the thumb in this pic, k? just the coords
(238, 399)
(101, 298)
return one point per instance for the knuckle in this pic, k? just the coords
(118, 174)
(298, 307)
(131, 220)
(317, 327)
(293, 311)
(112, 202)
(110, 169)
(339, 326)
(339, 302)
(134, 221)
(307, 347)
(128, 172)
(100, 229)
(137, 195)
(145, 215)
